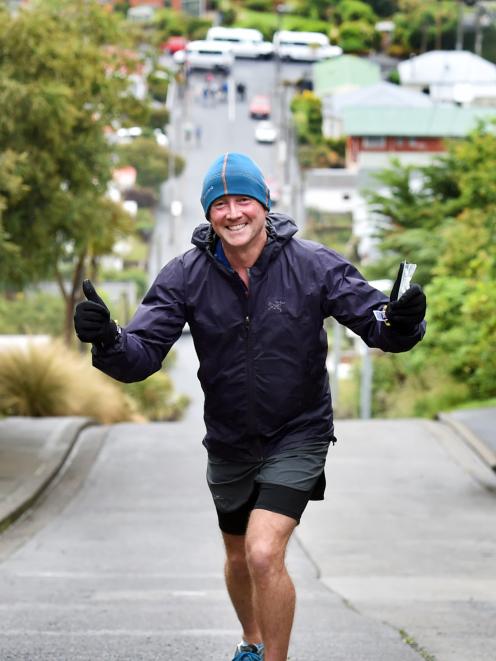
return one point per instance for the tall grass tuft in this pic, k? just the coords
(156, 398)
(51, 380)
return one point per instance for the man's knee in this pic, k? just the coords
(264, 557)
(266, 540)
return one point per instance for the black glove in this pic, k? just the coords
(92, 319)
(408, 311)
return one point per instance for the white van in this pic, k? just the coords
(207, 55)
(245, 42)
(304, 46)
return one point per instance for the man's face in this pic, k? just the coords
(239, 221)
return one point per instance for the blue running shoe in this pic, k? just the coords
(249, 653)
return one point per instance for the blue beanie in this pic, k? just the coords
(234, 174)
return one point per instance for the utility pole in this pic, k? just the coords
(173, 136)
(337, 337)
(459, 27)
(365, 381)
(482, 20)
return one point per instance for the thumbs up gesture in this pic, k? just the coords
(92, 319)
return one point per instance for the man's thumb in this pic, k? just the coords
(90, 292)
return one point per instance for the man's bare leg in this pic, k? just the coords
(239, 586)
(274, 595)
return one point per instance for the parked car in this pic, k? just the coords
(174, 44)
(265, 131)
(206, 55)
(245, 42)
(304, 46)
(260, 107)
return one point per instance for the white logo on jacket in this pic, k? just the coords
(275, 306)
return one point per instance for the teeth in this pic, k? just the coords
(236, 228)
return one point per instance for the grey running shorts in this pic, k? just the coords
(283, 483)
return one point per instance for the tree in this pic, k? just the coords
(12, 189)
(54, 107)
(307, 111)
(356, 10)
(421, 25)
(447, 225)
(151, 161)
(356, 36)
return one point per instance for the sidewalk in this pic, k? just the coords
(477, 427)
(32, 451)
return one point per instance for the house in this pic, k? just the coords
(339, 192)
(413, 135)
(381, 94)
(343, 74)
(455, 76)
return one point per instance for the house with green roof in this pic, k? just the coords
(343, 73)
(414, 135)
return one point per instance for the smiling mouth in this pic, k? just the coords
(236, 228)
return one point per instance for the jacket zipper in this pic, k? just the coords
(250, 385)
(250, 407)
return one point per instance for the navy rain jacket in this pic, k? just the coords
(262, 351)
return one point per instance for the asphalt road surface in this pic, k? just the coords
(123, 559)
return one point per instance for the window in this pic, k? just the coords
(374, 143)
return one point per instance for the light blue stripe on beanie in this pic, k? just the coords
(234, 174)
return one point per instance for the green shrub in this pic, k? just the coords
(306, 25)
(170, 22)
(307, 115)
(138, 276)
(198, 27)
(259, 5)
(155, 397)
(29, 313)
(150, 160)
(356, 36)
(347, 405)
(227, 12)
(394, 77)
(145, 223)
(159, 117)
(355, 10)
(158, 84)
(319, 156)
(398, 392)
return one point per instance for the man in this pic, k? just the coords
(255, 299)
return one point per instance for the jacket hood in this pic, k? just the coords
(280, 226)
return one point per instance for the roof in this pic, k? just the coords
(438, 121)
(381, 94)
(344, 71)
(447, 68)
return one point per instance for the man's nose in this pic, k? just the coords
(233, 210)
